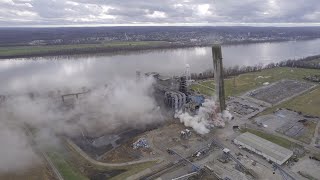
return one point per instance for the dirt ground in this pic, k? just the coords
(308, 166)
(167, 136)
(126, 153)
(36, 173)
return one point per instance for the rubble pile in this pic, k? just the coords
(314, 78)
(141, 143)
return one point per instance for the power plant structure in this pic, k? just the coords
(218, 77)
(170, 92)
(173, 93)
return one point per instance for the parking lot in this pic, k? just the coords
(279, 91)
(290, 123)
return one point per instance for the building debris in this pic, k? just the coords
(185, 134)
(141, 143)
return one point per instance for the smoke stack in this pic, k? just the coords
(218, 76)
(138, 75)
(183, 85)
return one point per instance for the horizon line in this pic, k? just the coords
(170, 24)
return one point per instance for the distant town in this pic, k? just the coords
(179, 35)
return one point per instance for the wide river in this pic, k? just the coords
(29, 74)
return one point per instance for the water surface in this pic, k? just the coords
(29, 74)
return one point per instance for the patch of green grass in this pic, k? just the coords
(272, 138)
(307, 103)
(245, 82)
(209, 83)
(66, 170)
(134, 170)
(202, 90)
(73, 48)
(309, 132)
(249, 81)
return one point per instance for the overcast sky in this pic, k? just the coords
(157, 12)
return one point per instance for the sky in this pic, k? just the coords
(158, 12)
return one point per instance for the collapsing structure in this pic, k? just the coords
(173, 93)
(170, 91)
(218, 77)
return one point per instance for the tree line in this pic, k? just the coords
(311, 62)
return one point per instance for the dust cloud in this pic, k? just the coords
(123, 103)
(206, 118)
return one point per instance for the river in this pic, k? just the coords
(29, 74)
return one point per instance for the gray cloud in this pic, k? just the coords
(72, 12)
(122, 104)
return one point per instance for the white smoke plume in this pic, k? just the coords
(123, 103)
(206, 118)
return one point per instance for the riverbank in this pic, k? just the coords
(57, 50)
(13, 52)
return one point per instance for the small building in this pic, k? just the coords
(270, 151)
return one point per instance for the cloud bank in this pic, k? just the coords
(84, 12)
(123, 103)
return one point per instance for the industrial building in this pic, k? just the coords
(270, 151)
(173, 93)
(170, 91)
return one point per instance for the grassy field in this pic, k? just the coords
(17, 51)
(65, 169)
(36, 173)
(205, 87)
(308, 135)
(245, 82)
(308, 103)
(275, 139)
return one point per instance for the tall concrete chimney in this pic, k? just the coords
(218, 76)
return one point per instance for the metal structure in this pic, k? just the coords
(186, 176)
(169, 91)
(183, 85)
(175, 100)
(218, 76)
(239, 165)
(195, 168)
(73, 95)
